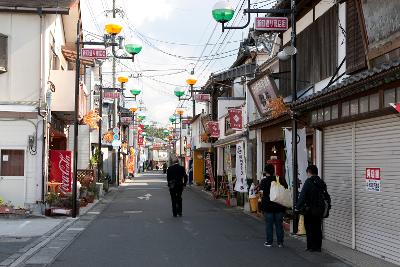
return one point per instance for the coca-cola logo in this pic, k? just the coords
(64, 165)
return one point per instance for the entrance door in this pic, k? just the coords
(12, 176)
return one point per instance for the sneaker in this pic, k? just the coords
(268, 245)
(280, 245)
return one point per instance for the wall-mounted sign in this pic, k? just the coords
(240, 185)
(235, 118)
(263, 88)
(202, 97)
(94, 53)
(126, 119)
(111, 95)
(373, 179)
(271, 24)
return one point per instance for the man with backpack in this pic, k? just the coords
(314, 202)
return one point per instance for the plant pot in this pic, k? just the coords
(83, 203)
(47, 212)
(90, 198)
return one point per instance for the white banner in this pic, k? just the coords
(241, 185)
(301, 156)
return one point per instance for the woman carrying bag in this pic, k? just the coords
(273, 212)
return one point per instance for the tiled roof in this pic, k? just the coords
(347, 82)
(38, 3)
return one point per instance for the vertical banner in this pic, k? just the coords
(228, 164)
(213, 129)
(241, 185)
(61, 169)
(236, 118)
(140, 138)
(301, 156)
(209, 168)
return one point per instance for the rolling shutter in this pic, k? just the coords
(378, 213)
(337, 169)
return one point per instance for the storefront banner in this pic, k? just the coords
(213, 129)
(228, 164)
(301, 157)
(140, 138)
(236, 118)
(240, 185)
(61, 169)
(209, 169)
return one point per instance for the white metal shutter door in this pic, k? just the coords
(378, 213)
(337, 169)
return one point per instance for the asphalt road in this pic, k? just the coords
(137, 229)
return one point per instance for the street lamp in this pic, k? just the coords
(179, 92)
(221, 13)
(180, 112)
(191, 81)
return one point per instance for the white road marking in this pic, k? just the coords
(75, 229)
(147, 188)
(139, 183)
(93, 212)
(24, 224)
(132, 211)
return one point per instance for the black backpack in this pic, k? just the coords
(321, 200)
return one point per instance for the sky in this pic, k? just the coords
(174, 33)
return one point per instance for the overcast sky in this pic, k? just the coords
(180, 28)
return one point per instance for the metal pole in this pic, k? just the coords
(76, 114)
(193, 101)
(100, 163)
(294, 122)
(119, 149)
(115, 106)
(180, 135)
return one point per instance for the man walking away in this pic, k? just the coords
(273, 212)
(314, 202)
(177, 179)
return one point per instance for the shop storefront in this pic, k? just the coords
(361, 159)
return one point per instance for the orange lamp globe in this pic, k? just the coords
(180, 111)
(133, 109)
(123, 79)
(113, 26)
(191, 80)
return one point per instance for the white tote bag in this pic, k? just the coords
(280, 194)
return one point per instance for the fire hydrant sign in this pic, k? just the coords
(94, 53)
(271, 24)
(373, 179)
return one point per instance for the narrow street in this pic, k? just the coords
(137, 229)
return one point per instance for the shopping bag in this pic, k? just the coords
(280, 194)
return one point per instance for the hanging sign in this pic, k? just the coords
(111, 95)
(271, 24)
(241, 185)
(94, 53)
(126, 119)
(61, 169)
(235, 118)
(301, 157)
(213, 129)
(202, 97)
(209, 168)
(373, 179)
(140, 138)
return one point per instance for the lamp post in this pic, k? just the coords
(172, 119)
(179, 112)
(191, 81)
(223, 12)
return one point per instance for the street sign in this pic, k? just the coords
(116, 130)
(111, 95)
(116, 136)
(94, 53)
(271, 24)
(116, 143)
(202, 97)
(126, 119)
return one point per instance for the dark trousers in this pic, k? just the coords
(313, 227)
(271, 219)
(176, 199)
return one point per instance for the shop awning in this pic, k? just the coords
(230, 139)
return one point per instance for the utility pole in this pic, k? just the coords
(115, 109)
(294, 121)
(100, 163)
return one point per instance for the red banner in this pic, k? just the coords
(213, 129)
(236, 118)
(61, 169)
(140, 138)
(271, 23)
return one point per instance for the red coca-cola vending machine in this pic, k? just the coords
(279, 166)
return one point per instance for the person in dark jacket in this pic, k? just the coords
(312, 224)
(177, 179)
(273, 212)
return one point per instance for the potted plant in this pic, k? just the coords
(91, 192)
(52, 198)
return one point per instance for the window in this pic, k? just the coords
(335, 112)
(320, 115)
(364, 104)
(345, 109)
(314, 116)
(354, 107)
(389, 97)
(3, 53)
(327, 113)
(374, 102)
(12, 162)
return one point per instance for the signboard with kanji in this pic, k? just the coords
(94, 53)
(271, 24)
(202, 97)
(235, 118)
(213, 129)
(111, 95)
(373, 179)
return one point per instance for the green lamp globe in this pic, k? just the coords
(141, 115)
(172, 119)
(166, 131)
(144, 134)
(223, 11)
(133, 48)
(179, 91)
(135, 91)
